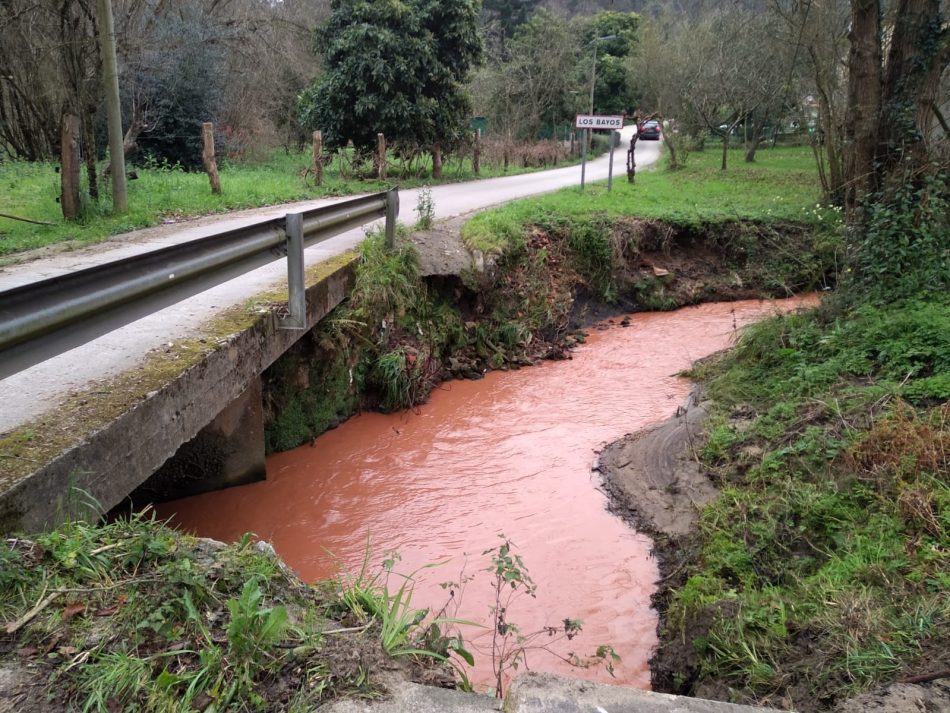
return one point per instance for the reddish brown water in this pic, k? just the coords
(509, 454)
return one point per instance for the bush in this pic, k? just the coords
(902, 246)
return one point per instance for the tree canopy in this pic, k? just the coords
(394, 67)
(611, 91)
(509, 14)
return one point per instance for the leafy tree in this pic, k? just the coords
(509, 14)
(179, 80)
(536, 85)
(395, 67)
(611, 92)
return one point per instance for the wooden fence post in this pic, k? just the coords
(69, 169)
(437, 161)
(477, 154)
(207, 155)
(318, 157)
(380, 157)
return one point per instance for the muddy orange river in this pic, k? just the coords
(511, 453)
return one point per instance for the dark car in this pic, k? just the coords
(649, 130)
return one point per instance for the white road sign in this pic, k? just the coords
(593, 121)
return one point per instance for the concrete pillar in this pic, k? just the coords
(228, 451)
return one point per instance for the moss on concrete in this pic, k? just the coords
(36, 443)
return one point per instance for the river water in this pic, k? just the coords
(512, 454)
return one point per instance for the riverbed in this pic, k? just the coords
(512, 454)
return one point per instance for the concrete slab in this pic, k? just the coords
(405, 697)
(546, 693)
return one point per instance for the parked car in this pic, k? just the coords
(649, 130)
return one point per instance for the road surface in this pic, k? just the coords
(32, 392)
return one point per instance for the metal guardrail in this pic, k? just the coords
(46, 318)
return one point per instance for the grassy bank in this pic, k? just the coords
(780, 187)
(822, 568)
(31, 190)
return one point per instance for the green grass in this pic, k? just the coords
(31, 190)
(138, 617)
(823, 565)
(780, 186)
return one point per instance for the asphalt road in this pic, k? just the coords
(34, 391)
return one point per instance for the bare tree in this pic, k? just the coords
(714, 73)
(50, 63)
(665, 72)
(818, 29)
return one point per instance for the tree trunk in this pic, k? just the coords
(437, 161)
(110, 75)
(915, 62)
(318, 157)
(69, 167)
(758, 133)
(632, 161)
(477, 153)
(864, 102)
(90, 154)
(829, 135)
(725, 151)
(671, 147)
(380, 157)
(207, 157)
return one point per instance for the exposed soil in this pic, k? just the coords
(653, 477)
(441, 251)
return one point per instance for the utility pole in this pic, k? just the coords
(110, 79)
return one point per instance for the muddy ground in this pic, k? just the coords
(656, 482)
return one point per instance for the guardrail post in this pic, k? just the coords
(392, 213)
(296, 290)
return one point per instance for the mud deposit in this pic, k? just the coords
(513, 454)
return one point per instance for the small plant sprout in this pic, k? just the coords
(425, 208)
(510, 646)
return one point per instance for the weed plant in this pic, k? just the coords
(510, 646)
(403, 630)
(425, 209)
(383, 348)
(822, 568)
